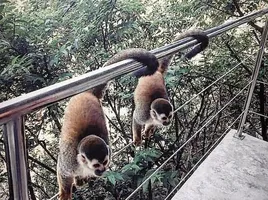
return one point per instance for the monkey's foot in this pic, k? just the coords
(65, 196)
(80, 181)
(149, 132)
(137, 141)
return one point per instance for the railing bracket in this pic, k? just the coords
(240, 137)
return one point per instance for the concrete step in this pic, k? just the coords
(235, 170)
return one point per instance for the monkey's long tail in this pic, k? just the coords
(199, 35)
(138, 54)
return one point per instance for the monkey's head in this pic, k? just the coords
(161, 112)
(93, 155)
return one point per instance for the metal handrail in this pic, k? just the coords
(26, 103)
(12, 111)
(250, 86)
(259, 114)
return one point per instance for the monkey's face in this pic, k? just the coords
(93, 156)
(161, 112)
(94, 167)
(161, 119)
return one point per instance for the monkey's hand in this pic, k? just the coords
(137, 141)
(80, 181)
(149, 131)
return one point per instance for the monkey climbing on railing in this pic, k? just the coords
(84, 147)
(152, 105)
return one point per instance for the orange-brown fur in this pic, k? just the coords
(152, 88)
(83, 117)
(148, 89)
(148, 85)
(84, 109)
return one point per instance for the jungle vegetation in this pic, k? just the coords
(45, 42)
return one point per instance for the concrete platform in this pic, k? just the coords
(235, 170)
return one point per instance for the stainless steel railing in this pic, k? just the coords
(51, 94)
(12, 111)
(250, 86)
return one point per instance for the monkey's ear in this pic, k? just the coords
(109, 151)
(153, 113)
(82, 158)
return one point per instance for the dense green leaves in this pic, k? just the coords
(113, 177)
(44, 42)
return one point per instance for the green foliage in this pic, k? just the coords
(137, 169)
(170, 178)
(44, 42)
(146, 155)
(131, 169)
(156, 178)
(113, 177)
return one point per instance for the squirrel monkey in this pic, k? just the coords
(83, 146)
(152, 106)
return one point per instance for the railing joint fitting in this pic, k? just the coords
(239, 136)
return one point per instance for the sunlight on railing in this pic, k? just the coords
(12, 111)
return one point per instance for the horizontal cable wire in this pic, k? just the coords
(48, 95)
(119, 151)
(254, 77)
(213, 83)
(228, 72)
(259, 114)
(262, 82)
(205, 155)
(56, 195)
(184, 144)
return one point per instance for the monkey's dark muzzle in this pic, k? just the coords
(166, 123)
(99, 172)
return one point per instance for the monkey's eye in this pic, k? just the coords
(164, 118)
(96, 165)
(83, 158)
(105, 162)
(169, 116)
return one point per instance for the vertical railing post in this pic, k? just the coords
(14, 135)
(253, 79)
(8, 165)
